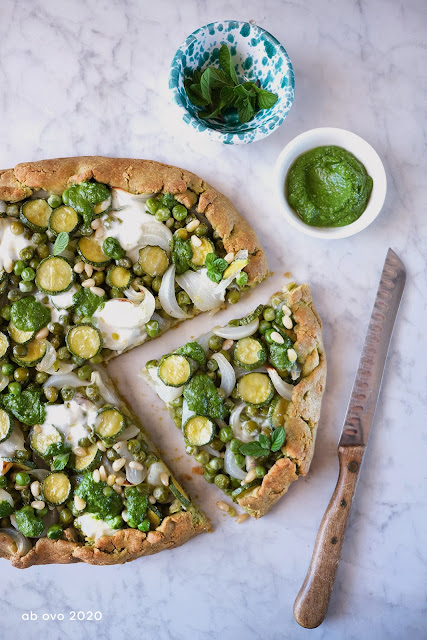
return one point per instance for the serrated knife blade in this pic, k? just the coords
(312, 602)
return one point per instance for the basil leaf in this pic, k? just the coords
(226, 63)
(253, 449)
(61, 243)
(266, 99)
(277, 438)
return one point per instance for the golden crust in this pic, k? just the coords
(123, 546)
(303, 411)
(141, 176)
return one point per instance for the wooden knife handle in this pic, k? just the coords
(312, 601)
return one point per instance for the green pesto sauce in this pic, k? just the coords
(328, 187)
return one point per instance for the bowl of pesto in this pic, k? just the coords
(330, 182)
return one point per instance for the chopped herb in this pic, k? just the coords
(136, 506)
(96, 501)
(181, 255)
(86, 302)
(26, 406)
(113, 249)
(28, 523)
(193, 350)
(27, 314)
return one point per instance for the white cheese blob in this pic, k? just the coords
(93, 528)
(6, 497)
(71, 418)
(121, 321)
(11, 244)
(64, 300)
(11, 445)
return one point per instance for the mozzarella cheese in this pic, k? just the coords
(121, 323)
(71, 419)
(11, 445)
(11, 244)
(93, 528)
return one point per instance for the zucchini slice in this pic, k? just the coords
(54, 275)
(179, 493)
(41, 441)
(4, 344)
(252, 316)
(119, 277)
(18, 336)
(249, 353)
(109, 424)
(35, 353)
(277, 412)
(200, 252)
(63, 219)
(19, 465)
(237, 493)
(6, 425)
(91, 251)
(84, 341)
(56, 488)
(199, 431)
(153, 260)
(4, 279)
(154, 515)
(234, 268)
(90, 461)
(174, 370)
(35, 214)
(255, 389)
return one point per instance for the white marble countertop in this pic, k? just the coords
(91, 78)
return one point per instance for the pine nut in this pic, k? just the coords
(79, 503)
(120, 480)
(118, 464)
(136, 465)
(80, 452)
(229, 257)
(37, 428)
(251, 475)
(164, 479)
(42, 334)
(9, 267)
(102, 473)
(170, 222)
(101, 446)
(124, 515)
(89, 270)
(275, 335)
(79, 267)
(192, 226)
(96, 475)
(242, 518)
(111, 479)
(223, 506)
(38, 504)
(35, 488)
(20, 487)
(151, 499)
(227, 344)
(286, 310)
(117, 488)
(95, 223)
(287, 322)
(195, 241)
(97, 291)
(100, 232)
(292, 355)
(90, 282)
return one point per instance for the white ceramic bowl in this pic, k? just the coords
(359, 148)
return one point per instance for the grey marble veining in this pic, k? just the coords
(91, 78)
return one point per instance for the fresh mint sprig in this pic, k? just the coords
(61, 243)
(264, 445)
(218, 89)
(215, 266)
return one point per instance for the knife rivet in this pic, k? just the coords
(334, 540)
(343, 503)
(353, 466)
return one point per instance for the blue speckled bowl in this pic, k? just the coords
(256, 55)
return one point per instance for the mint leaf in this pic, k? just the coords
(226, 63)
(195, 95)
(228, 96)
(205, 84)
(277, 438)
(253, 449)
(264, 441)
(215, 266)
(61, 243)
(266, 99)
(218, 78)
(59, 462)
(245, 111)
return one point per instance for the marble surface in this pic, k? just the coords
(91, 78)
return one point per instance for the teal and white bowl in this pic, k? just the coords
(256, 55)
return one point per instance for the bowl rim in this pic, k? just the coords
(259, 130)
(355, 144)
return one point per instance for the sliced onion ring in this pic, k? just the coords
(167, 295)
(231, 467)
(23, 544)
(135, 476)
(154, 473)
(228, 376)
(105, 389)
(236, 425)
(48, 359)
(283, 388)
(60, 380)
(235, 333)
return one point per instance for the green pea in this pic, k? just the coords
(226, 355)
(75, 359)
(202, 458)
(7, 369)
(39, 238)
(264, 326)
(232, 296)
(22, 479)
(42, 512)
(26, 253)
(155, 285)
(235, 483)
(63, 353)
(21, 374)
(3, 482)
(225, 434)
(12, 210)
(28, 274)
(201, 230)
(209, 477)
(242, 279)
(67, 393)
(152, 205)
(125, 262)
(260, 471)
(99, 277)
(269, 314)
(96, 359)
(92, 391)
(108, 492)
(137, 269)
(147, 280)
(177, 402)
(42, 251)
(84, 372)
(144, 525)
(179, 212)
(134, 445)
(222, 481)
(17, 228)
(112, 455)
(19, 267)
(51, 394)
(54, 532)
(5, 312)
(152, 328)
(65, 516)
(217, 444)
(183, 298)
(235, 445)
(215, 343)
(150, 459)
(41, 377)
(14, 295)
(84, 442)
(250, 427)
(54, 201)
(86, 230)
(267, 335)
(212, 365)
(215, 464)
(239, 459)
(162, 214)
(14, 388)
(26, 287)
(34, 263)
(162, 494)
